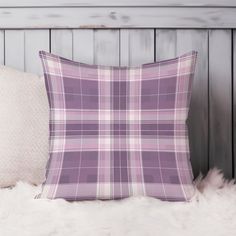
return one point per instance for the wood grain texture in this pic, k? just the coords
(136, 46)
(197, 40)
(15, 49)
(118, 17)
(171, 43)
(62, 43)
(234, 103)
(220, 95)
(22, 49)
(83, 45)
(106, 47)
(166, 43)
(35, 40)
(2, 49)
(92, 3)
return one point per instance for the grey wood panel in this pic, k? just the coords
(83, 45)
(22, 49)
(188, 40)
(136, 46)
(35, 40)
(124, 47)
(118, 17)
(15, 49)
(166, 43)
(170, 43)
(220, 95)
(106, 47)
(93, 3)
(2, 49)
(234, 103)
(62, 43)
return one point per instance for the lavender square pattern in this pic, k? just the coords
(117, 132)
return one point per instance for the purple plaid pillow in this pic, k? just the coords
(117, 132)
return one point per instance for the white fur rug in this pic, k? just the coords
(212, 212)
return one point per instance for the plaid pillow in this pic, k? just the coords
(117, 132)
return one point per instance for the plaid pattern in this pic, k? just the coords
(117, 132)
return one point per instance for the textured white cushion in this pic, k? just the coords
(24, 116)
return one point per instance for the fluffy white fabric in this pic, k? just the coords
(24, 115)
(212, 212)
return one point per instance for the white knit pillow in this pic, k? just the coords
(24, 116)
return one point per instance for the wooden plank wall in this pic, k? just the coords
(114, 3)
(212, 115)
(117, 17)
